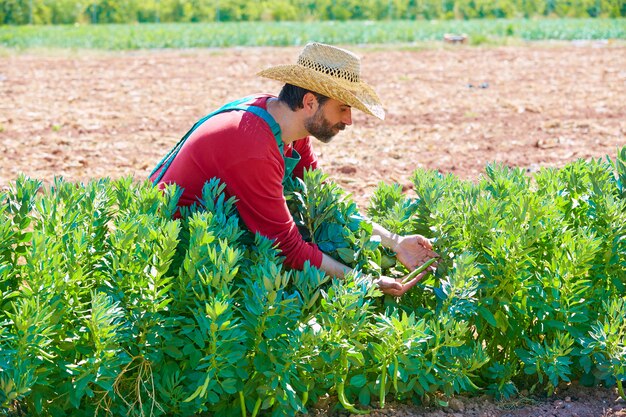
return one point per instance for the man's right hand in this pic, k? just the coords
(395, 287)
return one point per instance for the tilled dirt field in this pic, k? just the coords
(83, 115)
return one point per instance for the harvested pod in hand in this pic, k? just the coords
(413, 273)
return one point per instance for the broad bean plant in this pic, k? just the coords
(116, 302)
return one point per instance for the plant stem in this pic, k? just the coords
(395, 374)
(383, 382)
(256, 407)
(620, 389)
(242, 401)
(309, 224)
(413, 273)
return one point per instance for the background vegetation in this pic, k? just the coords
(127, 11)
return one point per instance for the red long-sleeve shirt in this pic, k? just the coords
(239, 148)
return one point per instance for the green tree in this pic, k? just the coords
(610, 8)
(149, 11)
(428, 9)
(340, 10)
(310, 9)
(189, 11)
(280, 10)
(573, 8)
(232, 10)
(465, 9)
(65, 11)
(116, 11)
(497, 8)
(14, 12)
(202, 10)
(529, 8)
(120, 11)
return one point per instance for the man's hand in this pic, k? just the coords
(395, 287)
(414, 250)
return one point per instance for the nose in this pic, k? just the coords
(347, 117)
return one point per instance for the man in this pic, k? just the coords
(252, 144)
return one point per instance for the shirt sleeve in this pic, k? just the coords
(308, 159)
(257, 186)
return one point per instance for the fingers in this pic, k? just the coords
(387, 284)
(422, 260)
(395, 287)
(425, 242)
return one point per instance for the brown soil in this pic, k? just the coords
(83, 115)
(570, 400)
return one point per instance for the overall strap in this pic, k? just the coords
(290, 161)
(264, 114)
(167, 160)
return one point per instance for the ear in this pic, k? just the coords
(309, 102)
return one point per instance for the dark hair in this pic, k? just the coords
(293, 95)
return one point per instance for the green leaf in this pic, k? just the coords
(578, 318)
(212, 397)
(555, 324)
(424, 383)
(172, 351)
(487, 316)
(229, 385)
(346, 255)
(587, 380)
(358, 381)
(365, 396)
(501, 320)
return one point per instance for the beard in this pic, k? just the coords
(320, 128)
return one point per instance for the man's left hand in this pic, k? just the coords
(414, 250)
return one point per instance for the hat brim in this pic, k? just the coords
(355, 94)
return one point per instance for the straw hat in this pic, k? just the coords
(330, 71)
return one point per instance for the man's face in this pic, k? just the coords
(328, 120)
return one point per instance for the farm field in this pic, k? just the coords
(94, 114)
(84, 115)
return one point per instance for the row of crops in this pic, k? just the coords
(146, 36)
(110, 307)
